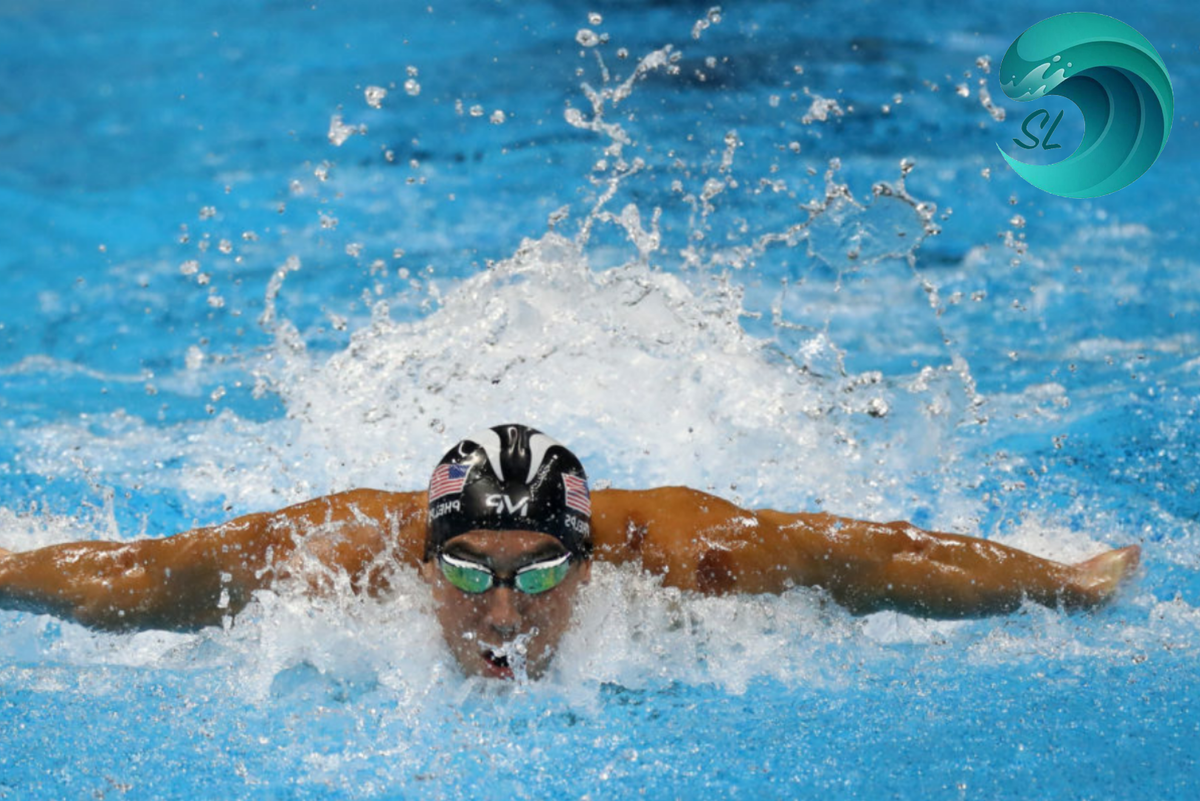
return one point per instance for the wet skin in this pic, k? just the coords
(694, 541)
(480, 628)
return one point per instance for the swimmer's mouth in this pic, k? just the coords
(497, 664)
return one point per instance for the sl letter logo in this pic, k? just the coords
(1041, 112)
(1121, 86)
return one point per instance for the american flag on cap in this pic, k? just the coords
(577, 497)
(447, 479)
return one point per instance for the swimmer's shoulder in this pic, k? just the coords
(625, 520)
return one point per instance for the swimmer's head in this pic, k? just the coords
(510, 478)
(507, 548)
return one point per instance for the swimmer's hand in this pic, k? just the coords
(1096, 580)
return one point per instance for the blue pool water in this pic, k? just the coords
(231, 282)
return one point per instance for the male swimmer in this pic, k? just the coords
(505, 536)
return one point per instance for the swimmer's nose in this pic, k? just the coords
(502, 614)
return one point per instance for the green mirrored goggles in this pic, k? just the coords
(474, 578)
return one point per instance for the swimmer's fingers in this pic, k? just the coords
(4, 552)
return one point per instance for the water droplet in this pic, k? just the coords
(497, 117)
(476, 111)
(1056, 59)
(339, 132)
(208, 212)
(225, 246)
(586, 37)
(412, 88)
(375, 96)
(189, 267)
(594, 18)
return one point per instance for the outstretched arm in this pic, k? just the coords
(193, 579)
(700, 542)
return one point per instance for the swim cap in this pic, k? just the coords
(510, 477)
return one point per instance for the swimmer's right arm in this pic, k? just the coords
(182, 582)
(196, 578)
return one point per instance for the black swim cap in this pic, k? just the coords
(510, 477)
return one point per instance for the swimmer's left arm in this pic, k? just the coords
(699, 542)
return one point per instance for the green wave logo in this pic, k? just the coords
(1121, 86)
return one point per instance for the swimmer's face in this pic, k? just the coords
(481, 628)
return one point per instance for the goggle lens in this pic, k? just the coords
(465, 576)
(541, 577)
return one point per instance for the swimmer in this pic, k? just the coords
(505, 536)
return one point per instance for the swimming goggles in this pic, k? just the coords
(474, 578)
